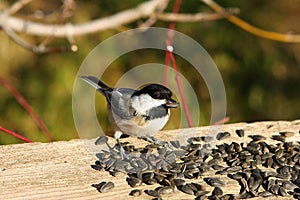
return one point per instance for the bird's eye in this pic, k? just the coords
(157, 95)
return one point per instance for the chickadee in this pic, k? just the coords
(140, 113)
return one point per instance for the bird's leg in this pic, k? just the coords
(117, 136)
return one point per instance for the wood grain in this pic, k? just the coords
(61, 170)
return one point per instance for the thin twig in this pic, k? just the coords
(293, 38)
(198, 17)
(16, 135)
(67, 8)
(27, 107)
(34, 48)
(23, 43)
(152, 19)
(18, 5)
(66, 11)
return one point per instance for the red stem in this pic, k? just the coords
(172, 24)
(178, 81)
(27, 107)
(166, 70)
(15, 135)
(170, 56)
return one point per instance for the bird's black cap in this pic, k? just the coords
(156, 91)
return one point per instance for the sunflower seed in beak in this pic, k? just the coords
(172, 103)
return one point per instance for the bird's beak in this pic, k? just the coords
(172, 103)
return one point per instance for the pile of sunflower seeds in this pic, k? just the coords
(258, 167)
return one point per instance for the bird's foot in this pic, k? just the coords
(124, 156)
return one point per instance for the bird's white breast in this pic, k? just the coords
(142, 127)
(138, 125)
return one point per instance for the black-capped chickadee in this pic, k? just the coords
(140, 113)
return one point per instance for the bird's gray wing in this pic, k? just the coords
(120, 102)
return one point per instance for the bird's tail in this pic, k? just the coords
(97, 84)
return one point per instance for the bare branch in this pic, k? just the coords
(147, 9)
(35, 48)
(17, 39)
(111, 22)
(252, 29)
(152, 9)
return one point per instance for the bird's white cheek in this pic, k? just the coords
(145, 102)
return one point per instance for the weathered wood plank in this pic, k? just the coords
(61, 170)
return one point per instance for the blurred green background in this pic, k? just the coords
(261, 77)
